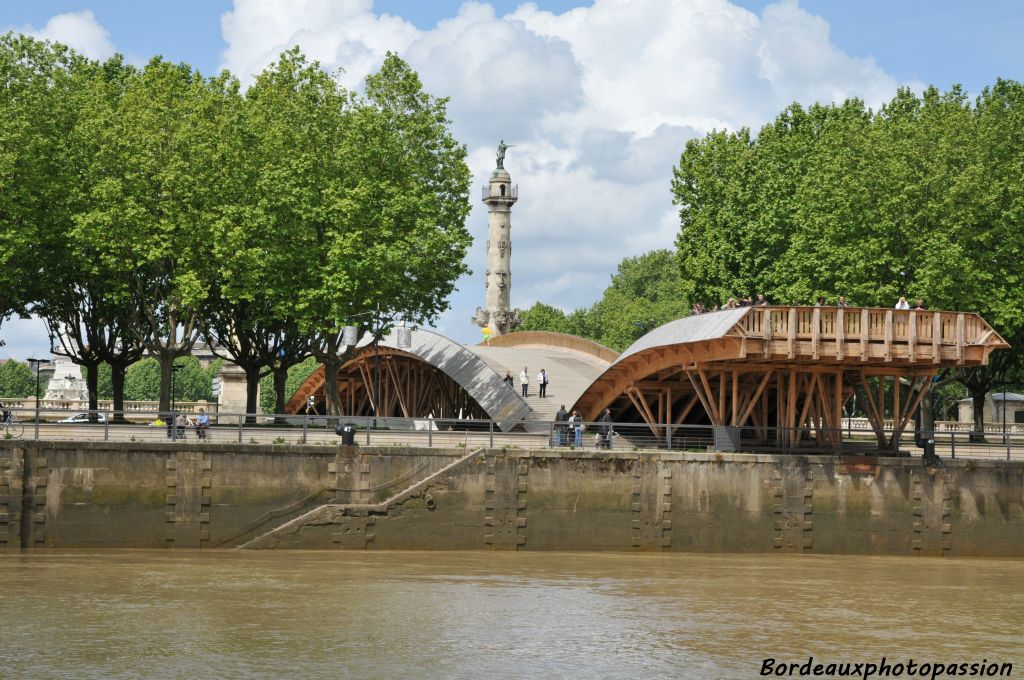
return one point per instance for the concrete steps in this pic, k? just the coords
(323, 512)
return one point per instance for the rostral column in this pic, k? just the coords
(499, 195)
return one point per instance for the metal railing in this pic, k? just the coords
(241, 428)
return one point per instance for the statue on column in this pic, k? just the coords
(502, 148)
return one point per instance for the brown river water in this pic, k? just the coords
(225, 614)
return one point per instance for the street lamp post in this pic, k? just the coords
(36, 362)
(174, 421)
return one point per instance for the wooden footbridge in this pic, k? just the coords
(781, 374)
(787, 372)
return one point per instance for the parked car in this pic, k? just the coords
(83, 418)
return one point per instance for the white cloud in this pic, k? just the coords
(599, 101)
(78, 30)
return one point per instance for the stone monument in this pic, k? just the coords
(67, 383)
(498, 195)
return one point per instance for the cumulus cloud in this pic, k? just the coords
(599, 101)
(78, 30)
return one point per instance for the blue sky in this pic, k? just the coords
(599, 97)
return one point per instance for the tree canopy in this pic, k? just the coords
(645, 292)
(143, 208)
(923, 197)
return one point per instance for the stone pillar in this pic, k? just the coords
(498, 195)
(232, 390)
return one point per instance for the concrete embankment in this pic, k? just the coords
(133, 495)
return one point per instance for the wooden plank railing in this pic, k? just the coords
(823, 327)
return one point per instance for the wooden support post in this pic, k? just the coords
(912, 337)
(815, 332)
(703, 392)
(840, 332)
(888, 335)
(753, 400)
(721, 398)
(791, 335)
(735, 397)
(681, 416)
(864, 322)
(791, 405)
(874, 414)
(960, 340)
(838, 407)
(895, 399)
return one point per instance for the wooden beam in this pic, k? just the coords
(791, 405)
(721, 398)
(912, 336)
(815, 332)
(704, 396)
(681, 416)
(874, 415)
(897, 387)
(898, 429)
(960, 342)
(753, 401)
(840, 332)
(735, 397)
(864, 321)
(791, 335)
(888, 335)
(936, 335)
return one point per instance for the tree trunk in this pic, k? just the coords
(166, 360)
(331, 366)
(92, 379)
(252, 389)
(927, 409)
(117, 374)
(978, 431)
(280, 384)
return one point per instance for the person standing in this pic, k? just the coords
(576, 421)
(561, 427)
(606, 429)
(508, 379)
(524, 382)
(842, 302)
(542, 383)
(902, 303)
(920, 305)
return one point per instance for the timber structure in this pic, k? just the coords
(779, 376)
(784, 374)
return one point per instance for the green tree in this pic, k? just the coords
(16, 380)
(33, 74)
(921, 198)
(296, 376)
(646, 291)
(155, 195)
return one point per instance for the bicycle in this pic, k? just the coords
(12, 429)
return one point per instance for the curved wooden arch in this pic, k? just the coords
(789, 368)
(434, 377)
(550, 339)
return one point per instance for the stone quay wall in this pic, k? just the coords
(174, 495)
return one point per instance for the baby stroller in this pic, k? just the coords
(604, 441)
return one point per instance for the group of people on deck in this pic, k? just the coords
(762, 301)
(524, 382)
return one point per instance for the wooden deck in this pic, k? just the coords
(788, 372)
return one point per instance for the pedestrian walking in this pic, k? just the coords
(542, 383)
(524, 382)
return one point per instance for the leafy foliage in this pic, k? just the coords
(923, 198)
(16, 380)
(646, 291)
(296, 376)
(192, 382)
